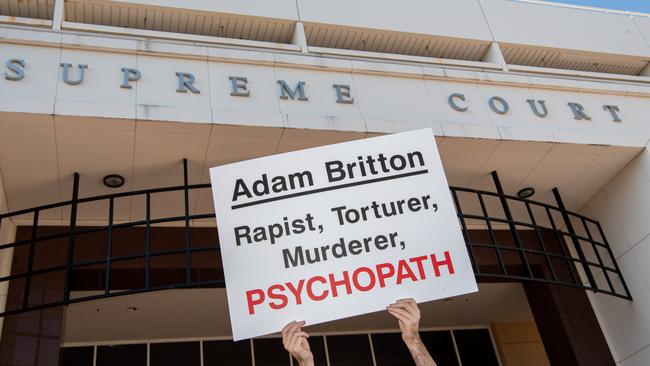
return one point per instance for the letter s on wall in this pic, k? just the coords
(17, 66)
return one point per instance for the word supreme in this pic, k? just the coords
(362, 279)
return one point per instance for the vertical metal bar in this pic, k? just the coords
(109, 246)
(30, 261)
(611, 254)
(453, 341)
(71, 231)
(201, 361)
(188, 273)
(372, 350)
(493, 240)
(560, 242)
(327, 352)
(470, 249)
(572, 233)
(147, 254)
(541, 240)
(600, 260)
(511, 224)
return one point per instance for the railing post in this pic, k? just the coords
(572, 234)
(109, 246)
(511, 224)
(186, 191)
(30, 261)
(71, 231)
(147, 258)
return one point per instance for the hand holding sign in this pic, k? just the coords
(337, 231)
(295, 342)
(408, 315)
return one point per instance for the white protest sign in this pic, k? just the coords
(337, 231)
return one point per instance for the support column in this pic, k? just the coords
(568, 326)
(495, 55)
(299, 37)
(7, 235)
(58, 17)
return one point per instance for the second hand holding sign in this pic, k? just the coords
(337, 231)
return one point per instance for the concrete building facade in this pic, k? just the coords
(548, 96)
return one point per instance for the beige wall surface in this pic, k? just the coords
(623, 208)
(519, 343)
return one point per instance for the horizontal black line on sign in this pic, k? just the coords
(332, 188)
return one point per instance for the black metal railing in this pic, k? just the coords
(508, 239)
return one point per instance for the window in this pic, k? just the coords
(174, 354)
(475, 347)
(349, 350)
(76, 356)
(390, 350)
(441, 346)
(125, 355)
(217, 353)
(270, 352)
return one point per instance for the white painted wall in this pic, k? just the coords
(545, 25)
(623, 208)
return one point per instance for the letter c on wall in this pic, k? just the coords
(452, 102)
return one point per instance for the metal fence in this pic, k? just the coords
(508, 239)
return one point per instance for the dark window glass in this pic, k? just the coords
(174, 354)
(227, 353)
(349, 350)
(76, 356)
(475, 347)
(390, 350)
(317, 346)
(270, 352)
(124, 355)
(441, 347)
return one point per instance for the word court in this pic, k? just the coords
(186, 82)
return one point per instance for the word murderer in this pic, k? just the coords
(342, 92)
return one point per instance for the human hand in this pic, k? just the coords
(408, 315)
(295, 342)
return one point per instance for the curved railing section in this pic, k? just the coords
(508, 239)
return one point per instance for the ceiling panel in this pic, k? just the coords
(372, 40)
(37, 9)
(39, 170)
(179, 21)
(559, 59)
